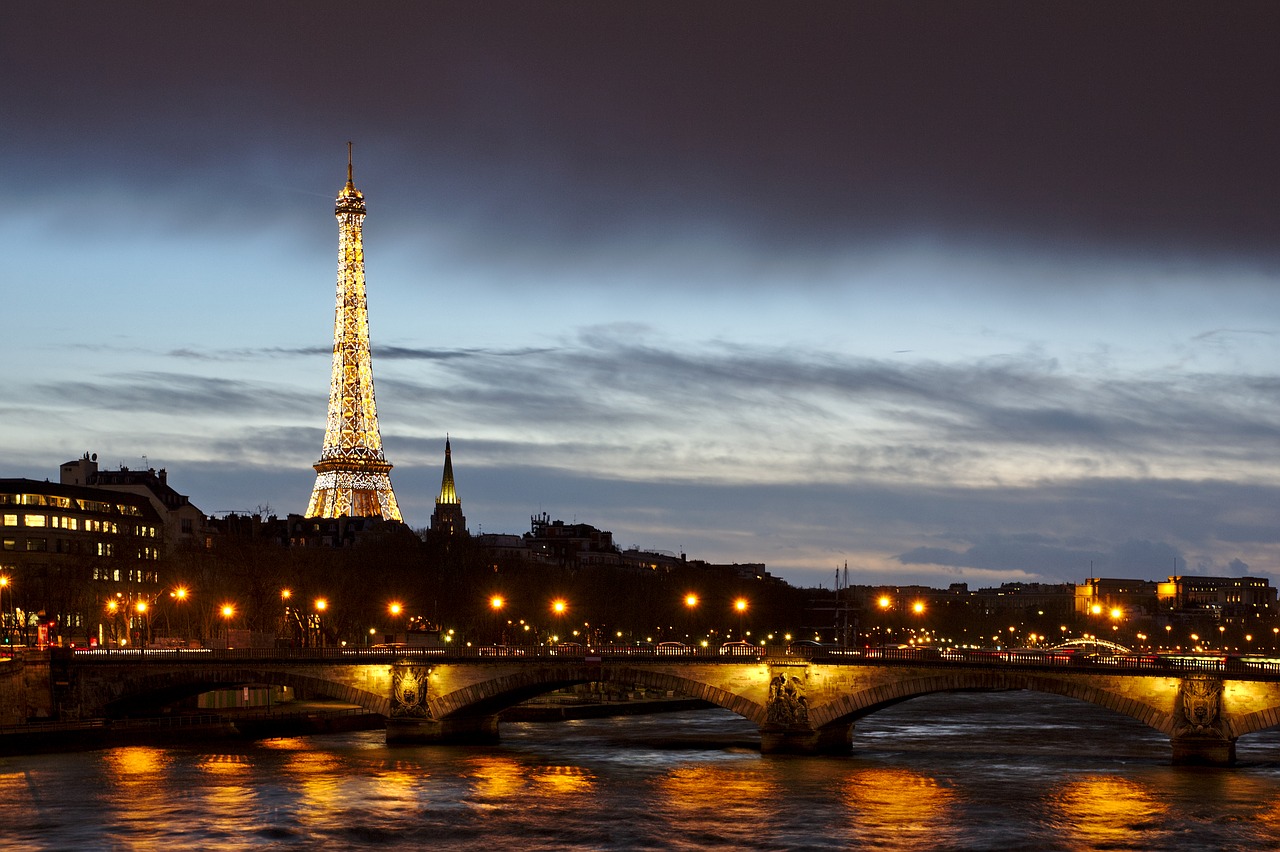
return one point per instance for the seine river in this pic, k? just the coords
(1007, 771)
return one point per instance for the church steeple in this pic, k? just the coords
(447, 519)
(448, 493)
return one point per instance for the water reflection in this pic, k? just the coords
(898, 808)
(655, 784)
(496, 778)
(725, 806)
(1107, 812)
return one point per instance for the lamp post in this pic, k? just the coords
(144, 622)
(559, 607)
(179, 598)
(285, 632)
(321, 606)
(690, 606)
(496, 603)
(228, 613)
(884, 602)
(741, 606)
(917, 608)
(4, 624)
(112, 608)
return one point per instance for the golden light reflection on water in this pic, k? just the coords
(563, 779)
(898, 808)
(692, 791)
(1099, 811)
(136, 766)
(319, 777)
(232, 780)
(495, 777)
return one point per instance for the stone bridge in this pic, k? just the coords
(801, 704)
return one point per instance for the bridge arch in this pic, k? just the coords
(855, 705)
(158, 688)
(1113, 647)
(493, 695)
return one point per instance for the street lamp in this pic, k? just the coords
(741, 606)
(4, 582)
(228, 613)
(113, 607)
(690, 604)
(143, 622)
(496, 603)
(321, 606)
(884, 602)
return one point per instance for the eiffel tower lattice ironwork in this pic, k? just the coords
(352, 476)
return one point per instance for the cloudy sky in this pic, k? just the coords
(952, 292)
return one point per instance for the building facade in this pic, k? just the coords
(80, 557)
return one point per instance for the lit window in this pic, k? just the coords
(35, 520)
(10, 520)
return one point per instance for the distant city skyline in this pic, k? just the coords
(951, 294)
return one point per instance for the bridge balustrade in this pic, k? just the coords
(1240, 667)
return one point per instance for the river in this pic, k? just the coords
(966, 771)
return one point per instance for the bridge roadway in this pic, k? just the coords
(803, 702)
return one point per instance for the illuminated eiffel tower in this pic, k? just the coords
(352, 476)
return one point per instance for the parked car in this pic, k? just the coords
(740, 647)
(667, 648)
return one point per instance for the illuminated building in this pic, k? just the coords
(184, 524)
(1101, 594)
(447, 519)
(67, 548)
(1223, 597)
(352, 476)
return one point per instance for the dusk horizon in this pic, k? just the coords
(981, 294)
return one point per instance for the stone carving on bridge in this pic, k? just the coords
(787, 703)
(1201, 702)
(409, 692)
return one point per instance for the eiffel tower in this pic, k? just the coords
(352, 476)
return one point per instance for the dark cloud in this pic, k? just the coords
(176, 394)
(1141, 126)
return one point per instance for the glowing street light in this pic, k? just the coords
(497, 602)
(395, 608)
(321, 606)
(4, 583)
(228, 613)
(558, 606)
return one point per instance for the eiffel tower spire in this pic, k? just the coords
(352, 474)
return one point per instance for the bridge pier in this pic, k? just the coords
(1200, 731)
(472, 730)
(833, 739)
(1203, 751)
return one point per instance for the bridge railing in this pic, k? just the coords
(1231, 665)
